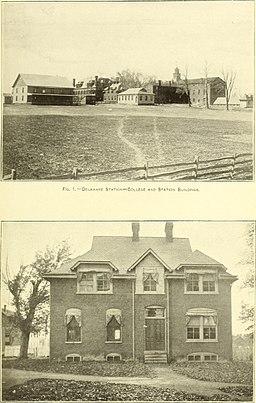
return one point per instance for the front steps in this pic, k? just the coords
(155, 357)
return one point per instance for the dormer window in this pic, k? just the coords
(93, 282)
(203, 282)
(150, 280)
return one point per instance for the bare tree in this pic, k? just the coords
(229, 80)
(132, 79)
(30, 292)
(206, 70)
(247, 311)
(186, 87)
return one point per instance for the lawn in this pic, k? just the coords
(228, 372)
(43, 141)
(127, 369)
(52, 390)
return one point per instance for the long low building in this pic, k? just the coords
(40, 89)
(136, 96)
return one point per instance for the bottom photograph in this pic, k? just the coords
(127, 311)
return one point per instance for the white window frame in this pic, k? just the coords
(69, 310)
(73, 356)
(150, 272)
(202, 357)
(201, 329)
(94, 289)
(201, 279)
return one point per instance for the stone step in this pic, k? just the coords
(157, 358)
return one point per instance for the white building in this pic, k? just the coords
(136, 96)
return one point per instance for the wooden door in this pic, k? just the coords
(155, 334)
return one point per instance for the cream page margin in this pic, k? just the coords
(48, 200)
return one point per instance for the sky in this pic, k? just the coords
(223, 241)
(81, 40)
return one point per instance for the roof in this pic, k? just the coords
(222, 101)
(123, 254)
(202, 80)
(44, 80)
(135, 91)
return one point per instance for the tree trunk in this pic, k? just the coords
(227, 104)
(24, 340)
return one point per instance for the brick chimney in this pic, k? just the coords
(4, 308)
(74, 82)
(159, 83)
(135, 231)
(169, 231)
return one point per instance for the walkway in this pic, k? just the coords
(165, 378)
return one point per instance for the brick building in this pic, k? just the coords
(92, 91)
(110, 95)
(42, 90)
(146, 298)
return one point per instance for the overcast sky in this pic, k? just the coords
(224, 242)
(83, 39)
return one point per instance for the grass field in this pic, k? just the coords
(43, 141)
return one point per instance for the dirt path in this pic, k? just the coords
(139, 158)
(165, 378)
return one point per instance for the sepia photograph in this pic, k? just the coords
(111, 91)
(127, 311)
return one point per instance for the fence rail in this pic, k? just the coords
(231, 167)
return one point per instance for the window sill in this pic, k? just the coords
(201, 341)
(73, 342)
(95, 293)
(201, 292)
(113, 342)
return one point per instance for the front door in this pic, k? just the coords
(155, 329)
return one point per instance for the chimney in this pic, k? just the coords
(74, 82)
(4, 308)
(169, 231)
(159, 83)
(96, 79)
(135, 231)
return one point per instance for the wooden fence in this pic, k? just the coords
(238, 167)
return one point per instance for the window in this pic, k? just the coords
(73, 358)
(198, 92)
(113, 324)
(22, 89)
(16, 98)
(22, 98)
(154, 312)
(146, 98)
(201, 282)
(193, 282)
(150, 281)
(73, 325)
(103, 283)
(113, 357)
(17, 90)
(201, 325)
(202, 357)
(91, 282)
(140, 97)
(198, 101)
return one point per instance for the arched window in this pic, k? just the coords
(73, 325)
(113, 324)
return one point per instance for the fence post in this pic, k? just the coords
(232, 167)
(146, 171)
(196, 162)
(13, 174)
(74, 174)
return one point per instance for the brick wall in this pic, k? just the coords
(180, 303)
(93, 307)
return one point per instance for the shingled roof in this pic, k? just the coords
(123, 253)
(44, 80)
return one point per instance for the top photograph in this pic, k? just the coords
(128, 91)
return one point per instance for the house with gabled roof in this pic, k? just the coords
(148, 298)
(136, 96)
(39, 89)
